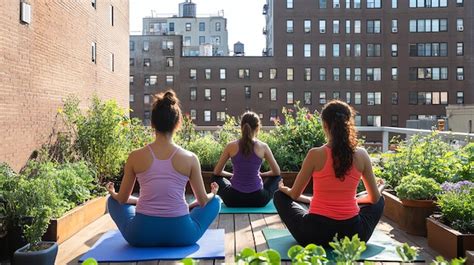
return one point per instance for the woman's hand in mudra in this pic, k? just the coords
(214, 188)
(281, 186)
(110, 187)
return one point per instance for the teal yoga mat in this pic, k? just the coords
(380, 247)
(269, 208)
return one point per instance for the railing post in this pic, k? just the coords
(384, 140)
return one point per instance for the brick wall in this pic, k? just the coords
(49, 59)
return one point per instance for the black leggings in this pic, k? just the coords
(235, 198)
(309, 228)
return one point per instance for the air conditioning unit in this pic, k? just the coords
(337, 5)
(322, 31)
(394, 30)
(460, 28)
(460, 77)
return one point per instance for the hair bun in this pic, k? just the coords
(169, 98)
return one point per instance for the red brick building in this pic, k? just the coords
(49, 50)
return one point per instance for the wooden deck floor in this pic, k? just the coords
(241, 230)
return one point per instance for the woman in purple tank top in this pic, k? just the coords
(161, 216)
(245, 187)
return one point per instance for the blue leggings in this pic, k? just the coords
(150, 231)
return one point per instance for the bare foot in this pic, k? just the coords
(214, 187)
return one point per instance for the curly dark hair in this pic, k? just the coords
(339, 118)
(166, 113)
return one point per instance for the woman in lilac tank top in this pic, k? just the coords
(161, 216)
(245, 187)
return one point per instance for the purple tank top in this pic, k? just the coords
(246, 172)
(162, 189)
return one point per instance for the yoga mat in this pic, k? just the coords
(380, 247)
(112, 247)
(269, 208)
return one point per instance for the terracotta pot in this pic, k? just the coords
(410, 215)
(73, 221)
(448, 242)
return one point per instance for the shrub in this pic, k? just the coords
(466, 160)
(207, 149)
(457, 205)
(416, 187)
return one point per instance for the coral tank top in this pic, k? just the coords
(332, 197)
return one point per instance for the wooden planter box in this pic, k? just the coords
(448, 242)
(73, 221)
(410, 215)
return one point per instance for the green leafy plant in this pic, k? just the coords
(207, 149)
(407, 253)
(347, 250)
(416, 187)
(441, 261)
(90, 261)
(311, 254)
(189, 261)
(249, 256)
(457, 206)
(466, 160)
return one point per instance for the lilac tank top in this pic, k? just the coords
(162, 189)
(246, 172)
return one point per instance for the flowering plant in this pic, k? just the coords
(457, 205)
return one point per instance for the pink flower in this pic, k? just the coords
(309, 116)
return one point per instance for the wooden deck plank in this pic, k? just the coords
(243, 233)
(274, 221)
(226, 222)
(257, 222)
(148, 262)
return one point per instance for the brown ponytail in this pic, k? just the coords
(166, 113)
(339, 117)
(249, 124)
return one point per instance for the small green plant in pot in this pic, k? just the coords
(416, 187)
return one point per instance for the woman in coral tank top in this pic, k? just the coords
(336, 169)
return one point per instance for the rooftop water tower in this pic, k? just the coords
(239, 49)
(187, 9)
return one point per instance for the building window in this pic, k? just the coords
(223, 94)
(348, 97)
(394, 25)
(146, 117)
(322, 26)
(218, 26)
(289, 26)
(374, 98)
(111, 15)
(207, 94)
(336, 95)
(193, 94)
(260, 95)
(307, 74)
(373, 26)
(307, 98)
(428, 3)
(394, 73)
(244, 73)
(429, 49)
(460, 97)
(188, 26)
(357, 50)
(336, 50)
(460, 24)
(273, 115)
(348, 49)
(202, 26)
(394, 121)
(394, 98)
(132, 45)
(307, 50)
(413, 98)
(394, 50)
(151, 80)
(322, 97)
(357, 74)
(307, 26)
(374, 3)
(146, 99)
(289, 3)
(192, 114)
(336, 74)
(429, 25)
(273, 73)
(323, 4)
(427, 73)
(460, 48)
(322, 74)
(394, 3)
(357, 4)
(167, 45)
(357, 98)
(358, 120)
(460, 73)
(348, 26)
(289, 74)
(131, 80)
(260, 74)
(322, 50)
(207, 116)
(289, 50)
(374, 50)
(169, 79)
(193, 73)
(348, 4)
(336, 4)
(220, 116)
(94, 52)
(289, 97)
(146, 46)
(222, 73)
(374, 74)
(132, 61)
(273, 94)
(374, 120)
(131, 98)
(459, 3)
(146, 62)
(335, 26)
(202, 40)
(248, 92)
(169, 62)
(357, 26)
(348, 73)
(171, 26)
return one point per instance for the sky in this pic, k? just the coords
(244, 18)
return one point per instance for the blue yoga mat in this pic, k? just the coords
(269, 208)
(112, 247)
(380, 247)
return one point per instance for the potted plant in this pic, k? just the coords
(452, 232)
(416, 195)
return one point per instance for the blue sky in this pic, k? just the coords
(244, 18)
